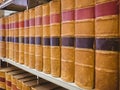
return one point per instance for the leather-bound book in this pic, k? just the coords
(46, 39)
(38, 38)
(84, 41)
(32, 38)
(107, 45)
(55, 34)
(68, 41)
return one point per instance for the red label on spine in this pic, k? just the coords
(85, 13)
(46, 20)
(55, 18)
(68, 15)
(26, 23)
(16, 25)
(2, 26)
(32, 22)
(38, 21)
(8, 83)
(110, 8)
(21, 24)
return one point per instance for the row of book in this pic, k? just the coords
(12, 78)
(77, 40)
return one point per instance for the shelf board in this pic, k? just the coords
(15, 5)
(58, 81)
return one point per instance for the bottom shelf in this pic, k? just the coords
(58, 81)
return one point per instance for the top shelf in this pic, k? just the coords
(20, 5)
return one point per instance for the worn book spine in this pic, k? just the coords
(16, 38)
(84, 42)
(2, 38)
(55, 34)
(8, 81)
(67, 35)
(38, 39)
(21, 37)
(32, 38)
(26, 37)
(46, 38)
(11, 29)
(7, 36)
(107, 45)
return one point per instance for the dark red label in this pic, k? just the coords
(68, 15)
(21, 24)
(55, 18)
(38, 21)
(46, 20)
(2, 79)
(85, 13)
(8, 83)
(2, 26)
(110, 8)
(32, 22)
(16, 25)
(26, 23)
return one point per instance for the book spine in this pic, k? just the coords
(2, 37)
(8, 81)
(67, 42)
(46, 38)
(26, 37)
(21, 37)
(32, 38)
(16, 38)
(38, 39)
(2, 81)
(84, 42)
(55, 34)
(7, 36)
(107, 45)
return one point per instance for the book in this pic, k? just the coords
(46, 38)
(7, 35)
(38, 38)
(26, 37)
(107, 45)
(21, 37)
(16, 38)
(55, 35)
(32, 38)
(67, 40)
(84, 43)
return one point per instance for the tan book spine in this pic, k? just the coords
(67, 35)
(55, 34)
(32, 38)
(84, 49)
(26, 37)
(7, 36)
(38, 39)
(46, 38)
(107, 45)
(16, 38)
(21, 37)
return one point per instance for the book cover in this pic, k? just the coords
(21, 37)
(38, 38)
(67, 42)
(32, 38)
(55, 35)
(26, 37)
(84, 42)
(46, 39)
(16, 38)
(107, 45)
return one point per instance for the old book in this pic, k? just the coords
(2, 38)
(26, 37)
(11, 36)
(84, 41)
(67, 42)
(32, 38)
(107, 45)
(7, 36)
(2, 76)
(23, 80)
(8, 77)
(21, 37)
(55, 34)
(46, 38)
(38, 39)
(16, 38)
